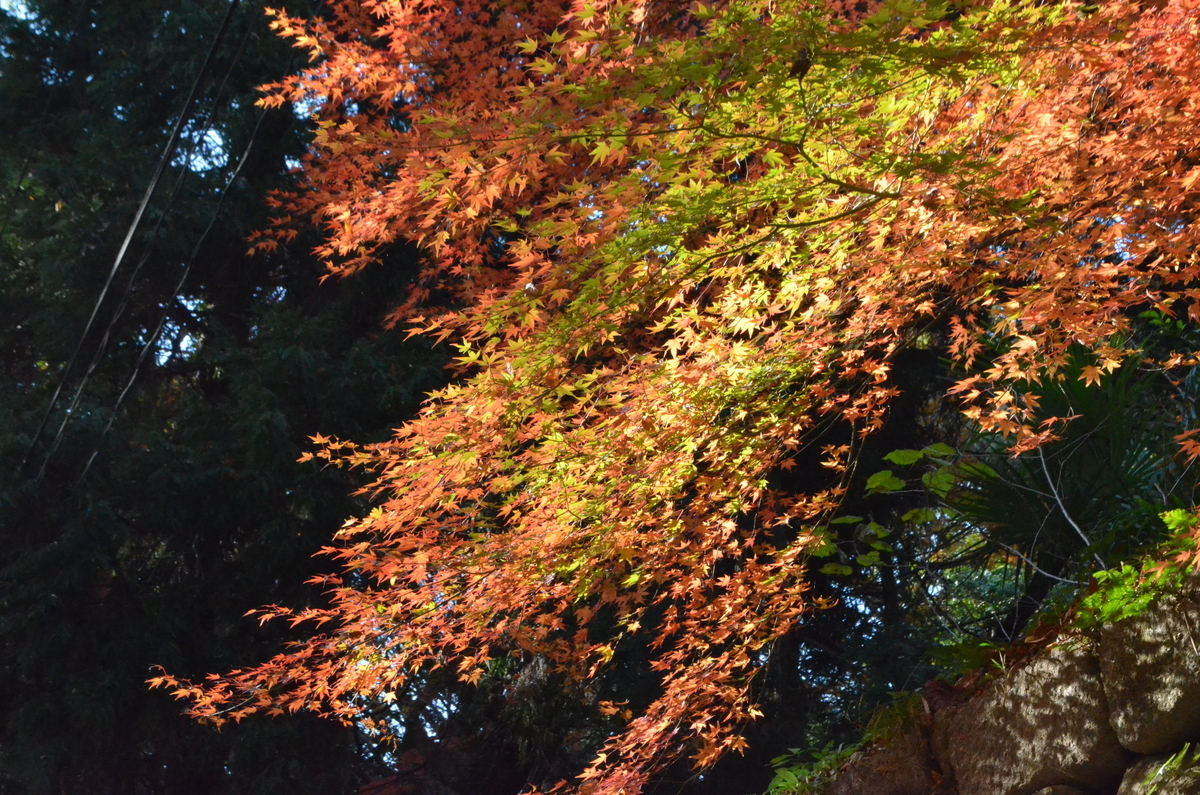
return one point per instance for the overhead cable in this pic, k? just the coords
(150, 342)
(150, 189)
(193, 145)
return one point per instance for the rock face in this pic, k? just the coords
(1150, 666)
(1113, 713)
(1162, 775)
(1043, 725)
(899, 768)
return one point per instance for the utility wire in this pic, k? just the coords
(175, 295)
(158, 172)
(193, 145)
(146, 348)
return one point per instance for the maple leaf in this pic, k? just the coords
(725, 276)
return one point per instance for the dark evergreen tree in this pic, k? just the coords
(139, 526)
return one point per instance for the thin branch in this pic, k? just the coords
(1031, 564)
(831, 218)
(1063, 508)
(942, 612)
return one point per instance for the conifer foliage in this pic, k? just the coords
(161, 499)
(679, 248)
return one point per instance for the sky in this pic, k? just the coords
(16, 7)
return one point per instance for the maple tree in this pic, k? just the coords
(679, 248)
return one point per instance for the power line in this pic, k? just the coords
(150, 342)
(158, 172)
(193, 145)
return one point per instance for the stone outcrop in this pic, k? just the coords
(1113, 713)
(1162, 775)
(1044, 724)
(1151, 670)
(899, 767)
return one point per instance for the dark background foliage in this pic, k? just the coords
(194, 510)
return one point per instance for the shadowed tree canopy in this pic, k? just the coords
(162, 499)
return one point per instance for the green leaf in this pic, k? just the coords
(975, 469)
(884, 482)
(939, 482)
(847, 520)
(784, 779)
(919, 516)
(824, 550)
(1178, 520)
(836, 570)
(904, 457)
(939, 449)
(826, 547)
